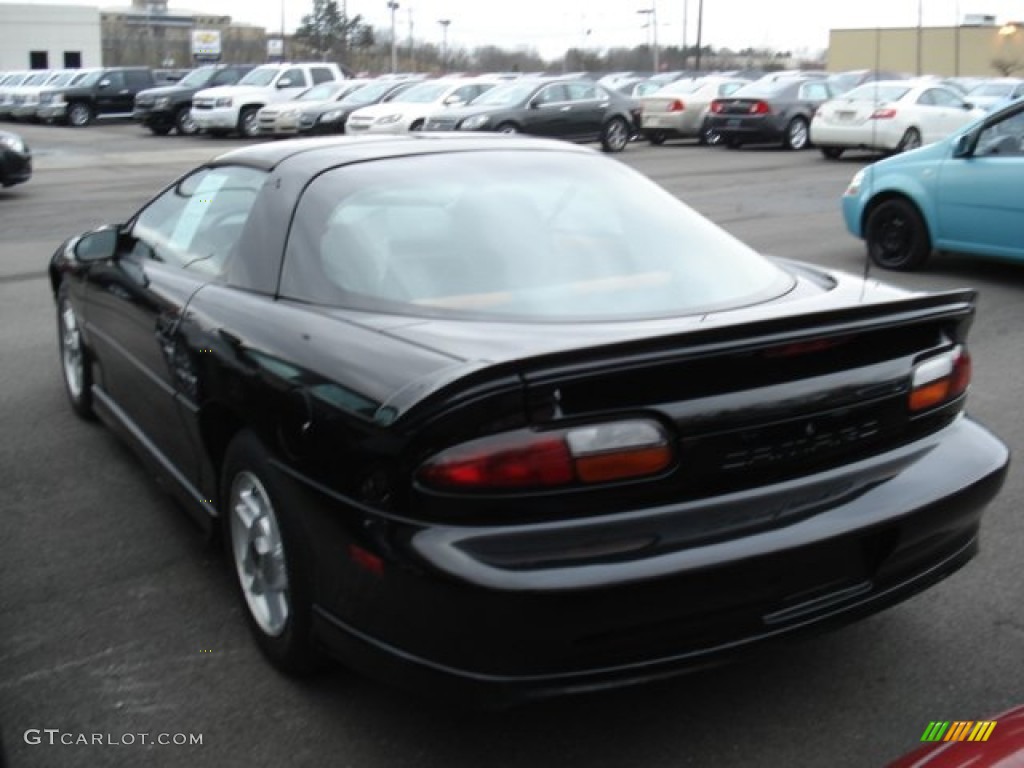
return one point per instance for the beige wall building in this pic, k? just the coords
(985, 51)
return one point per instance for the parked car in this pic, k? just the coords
(842, 82)
(770, 110)
(410, 109)
(27, 100)
(11, 91)
(169, 107)
(233, 108)
(679, 110)
(282, 119)
(891, 115)
(15, 160)
(963, 194)
(103, 93)
(994, 92)
(501, 416)
(329, 117)
(575, 110)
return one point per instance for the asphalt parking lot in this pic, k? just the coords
(116, 617)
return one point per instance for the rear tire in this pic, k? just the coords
(507, 128)
(160, 130)
(832, 153)
(615, 135)
(417, 126)
(270, 556)
(657, 138)
(896, 235)
(911, 140)
(797, 135)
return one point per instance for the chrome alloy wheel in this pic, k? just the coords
(71, 351)
(617, 135)
(258, 551)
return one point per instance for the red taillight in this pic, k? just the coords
(883, 113)
(760, 108)
(940, 379)
(676, 106)
(717, 106)
(597, 453)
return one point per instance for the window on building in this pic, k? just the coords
(72, 59)
(38, 60)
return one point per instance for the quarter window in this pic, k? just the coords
(321, 75)
(197, 223)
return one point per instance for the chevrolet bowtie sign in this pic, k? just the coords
(206, 42)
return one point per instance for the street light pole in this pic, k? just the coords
(686, 13)
(444, 43)
(920, 18)
(393, 6)
(283, 52)
(652, 21)
(700, 27)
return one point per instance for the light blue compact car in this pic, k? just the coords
(962, 194)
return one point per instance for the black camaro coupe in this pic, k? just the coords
(502, 417)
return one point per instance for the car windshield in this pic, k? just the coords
(79, 77)
(682, 86)
(505, 95)
(877, 92)
(37, 79)
(260, 76)
(423, 94)
(534, 236)
(62, 79)
(368, 94)
(197, 78)
(321, 92)
(995, 90)
(90, 79)
(843, 82)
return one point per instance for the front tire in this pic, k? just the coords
(160, 130)
(74, 357)
(184, 123)
(79, 114)
(896, 235)
(657, 138)
(797, 134)
(417, 126)
(507, 128)
(248, 126)
(269, 555)
(832, 153)
(615, 135)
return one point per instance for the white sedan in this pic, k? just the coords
(409, 110)
(889, 115)
(677, 110)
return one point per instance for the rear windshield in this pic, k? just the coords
(876, 92)
(531, 235)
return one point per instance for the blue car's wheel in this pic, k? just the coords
(896, 235)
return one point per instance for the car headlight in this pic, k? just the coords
(162, 103)
(332, 117)
(854, 187)
(388, 119)
(57, 98)
(223, 102)
(13, 143)
(472, 123)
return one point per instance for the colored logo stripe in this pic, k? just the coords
(958, 730)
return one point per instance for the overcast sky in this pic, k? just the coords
(552, 25)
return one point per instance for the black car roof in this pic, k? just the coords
(340, 150)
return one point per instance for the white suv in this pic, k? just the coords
(230, 108)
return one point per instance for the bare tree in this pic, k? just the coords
(1006, 67)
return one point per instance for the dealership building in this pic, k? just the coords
(146, 33)
(980, 47)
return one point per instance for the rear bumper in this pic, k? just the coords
(880, 136)
(500, 615)
(752, 130)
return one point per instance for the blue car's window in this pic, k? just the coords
(535, 235)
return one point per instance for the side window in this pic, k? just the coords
(581, 92)
(197, 223)
(322, 75)
(813, 91)
(1002, 139)
(137, 80)
(466, 93)
(116, 81)
(945, 98)
(297, 76)
(926, 98)
(551, 94)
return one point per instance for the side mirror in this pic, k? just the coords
(97, 246)
(104, 83)
(453, 101)
(284, 82)
(534, 104)
(962, 145)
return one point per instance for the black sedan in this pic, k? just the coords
(771, 110)
(329, 117)
(577, 110)
(500, 416)
(15, 159)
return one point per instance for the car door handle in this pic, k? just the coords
(565, 109)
